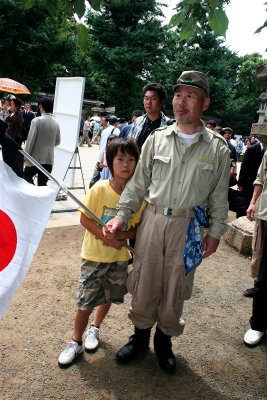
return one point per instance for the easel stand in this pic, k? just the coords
(72, 167)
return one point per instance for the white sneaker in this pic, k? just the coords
(72, 351)
(252, 337)
(92, 339)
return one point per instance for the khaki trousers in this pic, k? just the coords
(257, 248)
(157, 282)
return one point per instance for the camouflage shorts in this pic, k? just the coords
(100, 283)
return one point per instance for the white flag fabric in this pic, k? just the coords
(24, 212)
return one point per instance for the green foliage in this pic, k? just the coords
(234, 90)
(126, 40)
(193, 13)
(218, 21)
(34, 44)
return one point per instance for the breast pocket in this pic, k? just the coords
(161, 167)
(204, 174)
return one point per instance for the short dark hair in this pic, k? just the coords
(212, 123)
(156, 87)
(137, 113)
(219, 128)
(125, 145)
(47, 104)
(17, 102)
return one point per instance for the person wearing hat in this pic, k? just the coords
(183, 168)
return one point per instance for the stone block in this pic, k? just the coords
(239, 235)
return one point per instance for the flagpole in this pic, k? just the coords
(65, 189)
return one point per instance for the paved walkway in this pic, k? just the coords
(64, 213)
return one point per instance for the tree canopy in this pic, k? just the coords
(125, 42)
(128, 46)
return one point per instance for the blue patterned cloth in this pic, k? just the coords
(194, 243)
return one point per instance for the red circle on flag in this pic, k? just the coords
(8, 240)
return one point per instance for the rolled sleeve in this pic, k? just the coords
(217, 205)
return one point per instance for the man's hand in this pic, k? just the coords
(210, 245)
(251, 212)
(112, 226)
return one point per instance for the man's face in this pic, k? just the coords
(188, 104)
(104, 121)
(152, 102)
(27, 107)
(6, 105)
(227, 135)
(211, 127)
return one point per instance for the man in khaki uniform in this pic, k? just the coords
(181, 166)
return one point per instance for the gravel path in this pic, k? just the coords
(213, 362)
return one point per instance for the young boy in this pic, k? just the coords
(104, 261)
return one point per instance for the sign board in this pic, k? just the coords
(67, 111)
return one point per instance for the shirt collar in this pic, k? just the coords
(204, 132)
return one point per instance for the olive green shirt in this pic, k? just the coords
(261, 179)
(170, 175)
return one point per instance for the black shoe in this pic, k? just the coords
(139, 342)
(249, 292)
(163, 350)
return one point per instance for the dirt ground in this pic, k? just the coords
(213, 362)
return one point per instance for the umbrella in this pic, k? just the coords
(10, 86)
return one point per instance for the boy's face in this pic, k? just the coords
(123, 165)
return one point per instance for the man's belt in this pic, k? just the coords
(172, 212)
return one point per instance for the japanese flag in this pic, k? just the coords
(24, 211)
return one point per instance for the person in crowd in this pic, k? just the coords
(28, 116)
(218, 129)
(97, 170)
(105, 171)
(5, 107)
(122, 123)
(183, 169)
(258, 320)
(247, 175)
(154, 95)
(253, 140)
(81, 127)
(247, 145)
(43, 136)
(111, 129)
(10, 148)
(227, 133)
(239, 147)
(211, 124)
(85, 135)
(127, 128)
(95, 127)
(104, 261)
(233, 141)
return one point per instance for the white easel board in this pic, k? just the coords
(67, 111)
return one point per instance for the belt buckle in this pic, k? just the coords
(167, 211)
